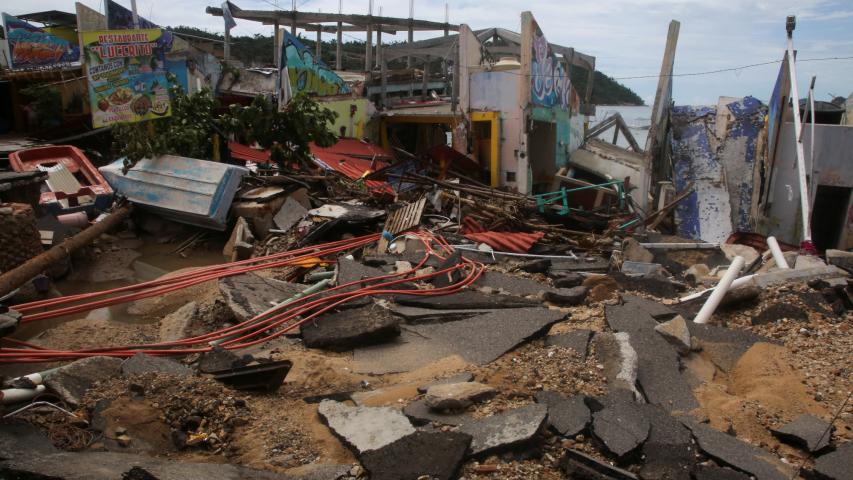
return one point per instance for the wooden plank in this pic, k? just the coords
(660, 109)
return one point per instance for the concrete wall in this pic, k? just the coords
(498, 92)
(354, 123)
(833, 150)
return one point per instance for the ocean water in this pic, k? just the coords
(637, 118)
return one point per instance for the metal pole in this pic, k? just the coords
(806, 245)
(379, 42)
(135, 15)
(319, 47)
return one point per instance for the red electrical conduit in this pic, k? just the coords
(253, 327)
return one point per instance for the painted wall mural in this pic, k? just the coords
(306, 73)
(549, 80)
(32, 47)
(121, 18)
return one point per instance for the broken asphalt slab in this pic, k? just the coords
(713, 472)
(505, 430)
(457, 396)
(457, 378)
(669, 453)
(806, 431)
(414, 315)
(478, 340)
(141, 363)
(248, 295)
(435, 455)
(71, 381)
(621, 426)
(579, 465)
(569, 416)
(738, 454)
(658, 368)
(467, 299)
(344, 330)
(566, 296)
(512, 285)
(837, 465)
(420, 414)
(725, 346)
(365, 428)
(576, 340)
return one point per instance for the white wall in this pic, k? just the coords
(498, 92)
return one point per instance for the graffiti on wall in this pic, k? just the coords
(549, 80)
(307, 74)
(30, 46)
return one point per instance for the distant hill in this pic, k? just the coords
(605, 90)
(257, 51)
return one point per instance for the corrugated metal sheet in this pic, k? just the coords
(515, 242)
(352, 167)
(248, 154)
(354, 147)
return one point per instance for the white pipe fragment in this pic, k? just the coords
(720, 291)
(16, 395)
(778, 257)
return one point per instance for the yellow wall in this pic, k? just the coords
(355, 124)
(66, 33)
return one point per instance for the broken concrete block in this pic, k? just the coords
(505, 430)
(72, 381)
(837, 465)
(840, 259)
(668, 451)
(457, 378)
(615, 353)
(176, 325)
(142, 363)
(676, 333)
(731, 451)
(419, 413)
(401, 266)
(240, 243)
(806, 262)
(568, 280)
(248, 295)
(457, 396)
(347, 329)
(576, 340)
(365, 428)
(569, 416)
(435, 455)
(806, 431)
(634, 252)
(641, 268)
(696, 273)
(290, 213)
(622, 427)
(733, 250)
(565, 296)
(582, 466)
(219, 359)
(539, 265)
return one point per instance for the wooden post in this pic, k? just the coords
(425, 75)
(660, 109)
(339, 49)
(368, 48)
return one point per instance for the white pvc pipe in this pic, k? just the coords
(805, 212)
(778, 257)
(15, 395)
(720, 291)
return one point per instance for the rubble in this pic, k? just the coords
(576, 340)
(177, 324)
(568, 416)
(435, 455)
(738, 454)
(457, 396)
(835, 465)
(249, 294)
(807, 431)
(365, 428)
(72, 381)
(142, 363)
(621, 426)
(350, 328)
(505, 430)
(675, 331)
(580, 465)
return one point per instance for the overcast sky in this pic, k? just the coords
(626, 36)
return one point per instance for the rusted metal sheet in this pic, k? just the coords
(352, 167)
(248, 154)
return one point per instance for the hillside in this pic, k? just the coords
(256, 51)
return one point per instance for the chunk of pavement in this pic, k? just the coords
(732, 250)
(806, 431)
(435, 455)
(176, 325)
(622, 427)
(219, 359)
(669, 453)
(568, 280)
(142, 363)
(675, 332)
(505, 430)
(538, 265)
(249, 294)
(448, 278)
(659, 370)
(577, 340)
(419, 413)
(466, 299)
(289, 214)
(738, 454)
(478, 340)
(656, 310)
(351, 328)
(837, 465)
(569, 416)
(365, 428)
(724, 345)
(578, 465)
(457, 378)
(71, 381)
(840, 259)
(806, 262)
(714, 472)
(457, 396)
(414, 315)
(615, 353)
(566, 296)
(634, 252)
(511, 284)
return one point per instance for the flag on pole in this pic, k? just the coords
(226, 14)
